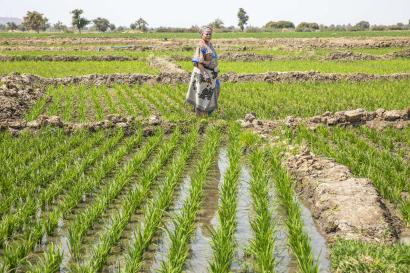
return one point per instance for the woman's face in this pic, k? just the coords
(207, 35)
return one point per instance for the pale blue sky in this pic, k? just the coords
(184, 13)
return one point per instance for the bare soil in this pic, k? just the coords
(343, 206)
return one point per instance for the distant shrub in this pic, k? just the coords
(279, 25)
(307, 27)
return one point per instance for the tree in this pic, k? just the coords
(307, 27)
(60, 26)
(101, 24)
(11, 26)
(133, 26)
(78, 21)
(243, 18)
(217, 24)
(141, 24)
(279, 24)
(35, 21)
(362, 25)
(112, 27)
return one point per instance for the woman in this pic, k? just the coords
(203, 91)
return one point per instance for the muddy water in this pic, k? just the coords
(201, 251)
(164, 244)
(244, 230)
(318, 242)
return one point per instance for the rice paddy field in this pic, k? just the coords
(201, 194)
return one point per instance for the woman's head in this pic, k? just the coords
(206, 33)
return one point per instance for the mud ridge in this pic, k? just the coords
(17, 94)
(378, 119)
(165, 65)
(310, 76)
(51, 58)
(128, 123)
(344, 206)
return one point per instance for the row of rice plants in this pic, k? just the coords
(15, 253)
(141, 107)
(43, 168)
(279, 100)
(388, 173)
(157, 206)
(165, 108)
(97, 103)
(64, 69)
(128, 108)
(85, 220)
(11, 222)
(360, 66)
(163, 92)
(133, 201)
(223, 239)
(17, 154)
(298, 240)
(262, 244)
(393, 140)
(184, 222)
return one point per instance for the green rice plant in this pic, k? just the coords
(57, 95)
(17, 154)
(37, 109)
(82, 104)
(155, 209)
(64, 69)
(184, 222)
(136, 102)
(85, 220)
(223, 239)
(108, 100)
(15, 253)
(360, 66)
(37, 174)
(263, 242)
(354, 256)
(133, 201)
(298, 240)
(123, 100)
(49, 262)
(157, 102)
(11, 222)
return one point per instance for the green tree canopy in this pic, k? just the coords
(306, 27)
(141, 24)
(243, 18)
(217, 24)
(101, 24)
(78, 21)
(279, 24)
(35, 21)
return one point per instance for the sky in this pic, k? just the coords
(185, 13)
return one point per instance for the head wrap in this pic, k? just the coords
(205, 29)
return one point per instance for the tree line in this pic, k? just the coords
(37, 22)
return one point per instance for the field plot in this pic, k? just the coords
(268, 101)
(116, 173)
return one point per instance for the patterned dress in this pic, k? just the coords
(203, 94)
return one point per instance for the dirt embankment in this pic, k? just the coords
(352, 56)
(17, 94)
(378, 119)
(128, 123)
(342, 205)
(309, 76)
(166, 65)
(51, 58)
